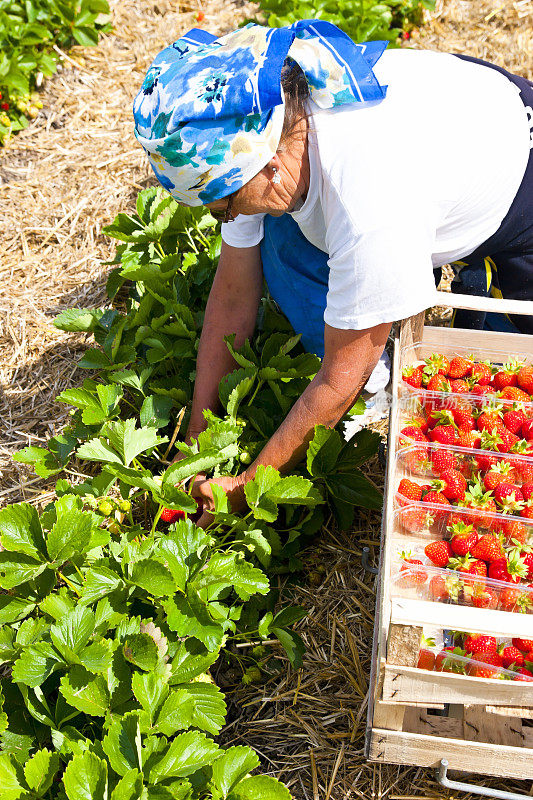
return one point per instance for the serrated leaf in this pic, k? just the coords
(176, 714)
(86, 692)
(77, 319)
(21, 531)
(209, 706)
(122, 745)
(130, 787)
(35, 664)
(85, 778)
(98, 450)
(99, 581)
(150, 691)
(129, 441)
(291, 643)
(170, 555)
(202, 462)
(260, 787)
(155, 411)
(356, 489)
(40, 771)
(323, 451)
(73, 631)
(189, 617)
(141, 650)
(17, 568)
(97, 657)
(14, 608)
(227, 569)
(191, 659)
(71, 534)
(288, 616)
(187, 753)
(234, 387)
(153, 577)
(231, 768)
(10, 778)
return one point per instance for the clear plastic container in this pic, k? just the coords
(419, 462)
(427, 582)
(433, 520)
(415, 355)
(455, 662)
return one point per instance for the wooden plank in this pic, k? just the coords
(403, 646)
(478, 726)
(417, 720)
(511, 711)
(478, 303)
(411, 331)
(403, 684)
(389, 715)
(401, 747)
(408, 611)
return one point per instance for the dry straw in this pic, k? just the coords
(61, 180)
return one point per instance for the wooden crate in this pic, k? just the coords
(418, 717)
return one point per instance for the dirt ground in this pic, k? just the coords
(64, 178)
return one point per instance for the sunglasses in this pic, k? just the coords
(224, 214)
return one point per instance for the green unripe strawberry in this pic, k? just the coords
(105, 507)
(245, 457)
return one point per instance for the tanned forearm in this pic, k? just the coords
(329, 395)
(231, 308)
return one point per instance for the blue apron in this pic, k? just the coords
(296, 273)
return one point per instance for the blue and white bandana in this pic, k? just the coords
(210, 111)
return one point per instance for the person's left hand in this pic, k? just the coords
(233, 486)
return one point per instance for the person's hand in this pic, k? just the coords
(203, 493)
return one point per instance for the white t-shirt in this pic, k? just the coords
(417, 181)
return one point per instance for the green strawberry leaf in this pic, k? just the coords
(187, 753)
(21, 531)
(153, 577)
(73, 631)
(189, 617)
(141, 650)
(40, 771)
(323, 451)
(259, 787)
(35, 664)
(291, 643)
(85, 778)
(130, 787)
(176, 714)
(191, 659)
(17, 568)
(231, 768)
(86, 692)
(122, 745)
(11, 778)
(155, 411)
(99, 581)
(71, 533)
(209, 712)
(150, 690)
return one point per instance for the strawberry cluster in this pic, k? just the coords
(511, 381)
(480, 656)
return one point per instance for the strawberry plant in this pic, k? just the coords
(362, 20)
(116, 603)
(28, 31)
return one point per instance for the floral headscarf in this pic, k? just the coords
(210, 111)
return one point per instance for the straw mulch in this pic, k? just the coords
(61, 180)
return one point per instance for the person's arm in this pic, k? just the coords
(231, 308)
(349, 358)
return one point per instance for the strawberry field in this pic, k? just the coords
(144, 656)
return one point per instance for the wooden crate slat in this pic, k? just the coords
(478, 725)
(474, 620)
(403, 684)
(401, 747)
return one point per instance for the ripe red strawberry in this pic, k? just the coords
(442, 460)
(523, 674)
(488, 548)
(469, 566)
(413, 432)
(437, 498)
(438, 590)
(527, 429)
(170, 515)
(439, 416)
(527, 490)
(515, 393)
(510, 599)
(524, 645)
(484, 597)
(426, 659)
(459, 367)
(508, 497)
(490, 417)
(454, 484)
(481, 374)
(514, 419)
(527, 556)
(528, 659)
(511, 569)
(482, 502)
(415, 519)
(438, 383)
(525, 378)
(464, 537)
(483, 670)
(459, 387)
(413, 376)
(499, 473)
(479, 389)
(468, 438)
(527, 510)
(503, 379)
(448, 661)
(439, 552)
(508, 441)
(411, 571)
(443, 434)
(513, 531)
(415, 459)
(480, 643)
(410, 489)
(511, 655)
(437, 364)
